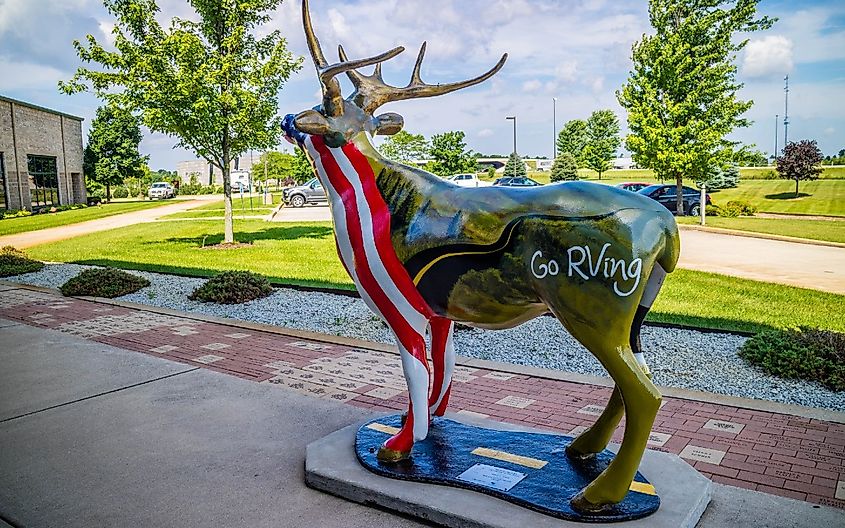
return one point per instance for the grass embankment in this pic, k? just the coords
(304, 254)
(819, 197)
(826, 230)
(11, 226)
(825, 196)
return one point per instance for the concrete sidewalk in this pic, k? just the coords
(93, 434)
(160, 444)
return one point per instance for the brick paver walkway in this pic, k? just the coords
(780, 454)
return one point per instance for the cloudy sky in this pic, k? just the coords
(577, 51)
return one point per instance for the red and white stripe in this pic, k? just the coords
(362, 232)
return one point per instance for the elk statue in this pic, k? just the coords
(424, 253)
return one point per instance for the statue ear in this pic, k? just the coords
(312, 122)
(389, 124)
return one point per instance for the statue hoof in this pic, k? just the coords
(575, 454)
(582, 505)
(391, 456)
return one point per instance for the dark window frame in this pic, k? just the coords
(38, 169)
(4, 206)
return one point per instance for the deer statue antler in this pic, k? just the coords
(332, 97)
(371, 91)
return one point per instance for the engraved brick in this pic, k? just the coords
(515, 401)
(592, 410)
(702, 454)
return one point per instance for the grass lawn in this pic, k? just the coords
(11, 226)
(828, 230)
(819, 197)
(304, 254)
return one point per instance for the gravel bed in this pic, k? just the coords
(678, 358)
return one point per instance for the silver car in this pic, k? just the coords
(161, 190)
(309, 192)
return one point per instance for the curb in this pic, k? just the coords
(571, 377)
(764, 236)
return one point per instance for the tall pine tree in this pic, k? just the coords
(681, 96)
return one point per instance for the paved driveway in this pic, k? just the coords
(795, 264)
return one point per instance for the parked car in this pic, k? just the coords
(667, 196)
(518, 181)
(632, 186)
(467, 180)
(309, 192)
(161, 190)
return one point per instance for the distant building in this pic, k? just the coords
(207, 173)
(40, 156)
(624, 163)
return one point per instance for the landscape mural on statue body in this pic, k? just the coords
(424, 254)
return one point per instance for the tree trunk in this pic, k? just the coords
(679, 189)
(228, 227)
(796, 187)
(108, 191)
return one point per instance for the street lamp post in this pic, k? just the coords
(514, 139)
(554, 128)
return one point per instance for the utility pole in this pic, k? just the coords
(786, 110)
(554, 128)
(777, 124)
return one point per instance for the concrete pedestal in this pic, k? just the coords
(331, 466)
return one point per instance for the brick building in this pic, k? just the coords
(40, 156)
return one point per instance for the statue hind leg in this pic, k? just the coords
(595, 439)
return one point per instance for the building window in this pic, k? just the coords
(43, 180)
(4, 200)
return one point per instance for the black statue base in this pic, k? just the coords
(528, 469)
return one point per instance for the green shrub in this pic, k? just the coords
(15, 262)
(120, 192)
(232, 287)
(806, 353)
(743, 208)
(190, 190)
(15, 213)
(103, 282)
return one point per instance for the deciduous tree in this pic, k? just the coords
(801, 160)
(112, 155)
(404, 147)
(681, 96)
(212, 82)
(573, 138)
(602, 140)
(450, 155)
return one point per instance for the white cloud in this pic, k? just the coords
(770, 55)
(531, 86)
(485, 133)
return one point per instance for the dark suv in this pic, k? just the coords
(309, 192)
(668, 197)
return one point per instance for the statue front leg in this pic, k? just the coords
(415, 368)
